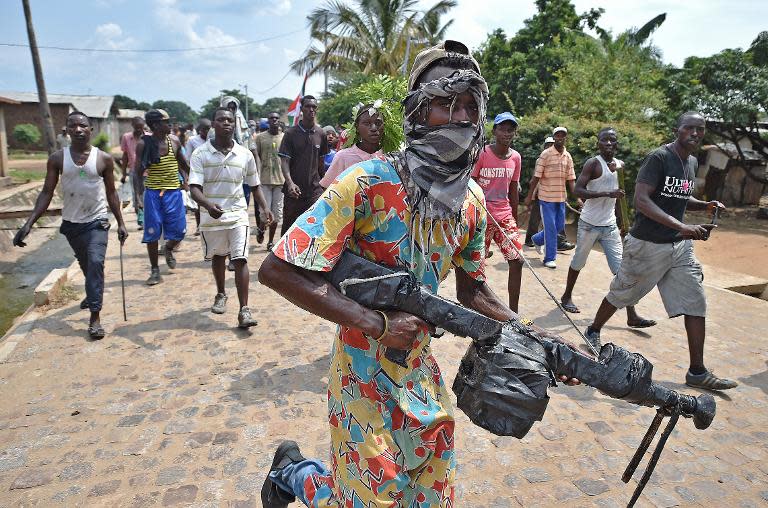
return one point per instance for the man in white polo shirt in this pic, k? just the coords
(218, 170)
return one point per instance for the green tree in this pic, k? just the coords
(521, 70)
(608, 81)
(124, 102)
(335, 106)
(26, 134)
(276, 104)
(368, 36)
(178, 110)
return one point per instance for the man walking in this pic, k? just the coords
(218, 170)
(497, 171)
(658, 252)
(391, 426)
(128, 142)
(302, 151)
(534, 216)
(159, 157)
(598, 185)
(271, 176)
(554, 170)
(87, 187)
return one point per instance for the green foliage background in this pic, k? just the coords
(26, 134)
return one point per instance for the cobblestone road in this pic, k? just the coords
(177, 407)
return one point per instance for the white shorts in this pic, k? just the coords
(233, 242)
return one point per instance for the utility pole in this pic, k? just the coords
(45, 110)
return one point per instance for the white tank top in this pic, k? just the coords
(85, 199)
(600, 211)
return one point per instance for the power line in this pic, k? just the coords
(168, 50)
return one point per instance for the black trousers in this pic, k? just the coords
(534, 221)
(89, 242)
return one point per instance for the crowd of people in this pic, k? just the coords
(437, 204)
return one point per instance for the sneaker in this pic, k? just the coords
(270, 245)
(219, 304)
(529, 243)
(273, 496)
(566, 245)
(170, 260)
(154, 277)
(550, 264)
(260, 235)
(245, 319)
(593, 336)
(84, 303)
(539, 249)
(709, 381)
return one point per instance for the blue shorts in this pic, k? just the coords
(164, 215)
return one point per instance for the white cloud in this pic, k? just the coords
(280, 8)
(109, 30)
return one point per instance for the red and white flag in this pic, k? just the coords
(294, 110)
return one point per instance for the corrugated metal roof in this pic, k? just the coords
(7, 100)
(95, 106)
(130, 113)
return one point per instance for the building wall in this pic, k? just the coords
(16, 114)
(30, 113)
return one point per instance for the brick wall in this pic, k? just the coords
(30, 113)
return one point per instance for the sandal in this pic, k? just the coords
(571, 307)
(643, 323)
(96, 332)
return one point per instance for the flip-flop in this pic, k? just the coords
(96, 332)
(643, 323)
(571, 307)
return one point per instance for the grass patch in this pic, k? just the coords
(62, 297)
(27, 155)
(26, 175)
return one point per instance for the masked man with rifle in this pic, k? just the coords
(392, 425)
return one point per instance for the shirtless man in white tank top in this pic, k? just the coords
(598, 186)
(88, 185)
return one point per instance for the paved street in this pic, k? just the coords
(177, 407)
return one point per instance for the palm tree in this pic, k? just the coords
(369, 36)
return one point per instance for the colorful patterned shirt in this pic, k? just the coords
(385, 417)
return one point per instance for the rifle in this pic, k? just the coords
(503, 378)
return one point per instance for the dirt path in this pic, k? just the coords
(740, 244)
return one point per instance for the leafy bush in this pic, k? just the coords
(101, 141)
(635, 141)
(26, 134)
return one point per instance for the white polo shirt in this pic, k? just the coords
(222, 178)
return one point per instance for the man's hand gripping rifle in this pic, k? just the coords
(503, 378)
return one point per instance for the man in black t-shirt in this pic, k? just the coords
(658, 252)
(301, 157)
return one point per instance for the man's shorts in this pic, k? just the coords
(273, 195)
(508, 226)
(232, 242)
(586, 237)
(670, 266)
(164, 214)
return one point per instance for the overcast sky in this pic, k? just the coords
(701, 28)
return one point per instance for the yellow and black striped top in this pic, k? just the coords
(164, 174)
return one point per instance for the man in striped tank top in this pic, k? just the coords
(598, 184)
(88, 186)
(161, 161)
